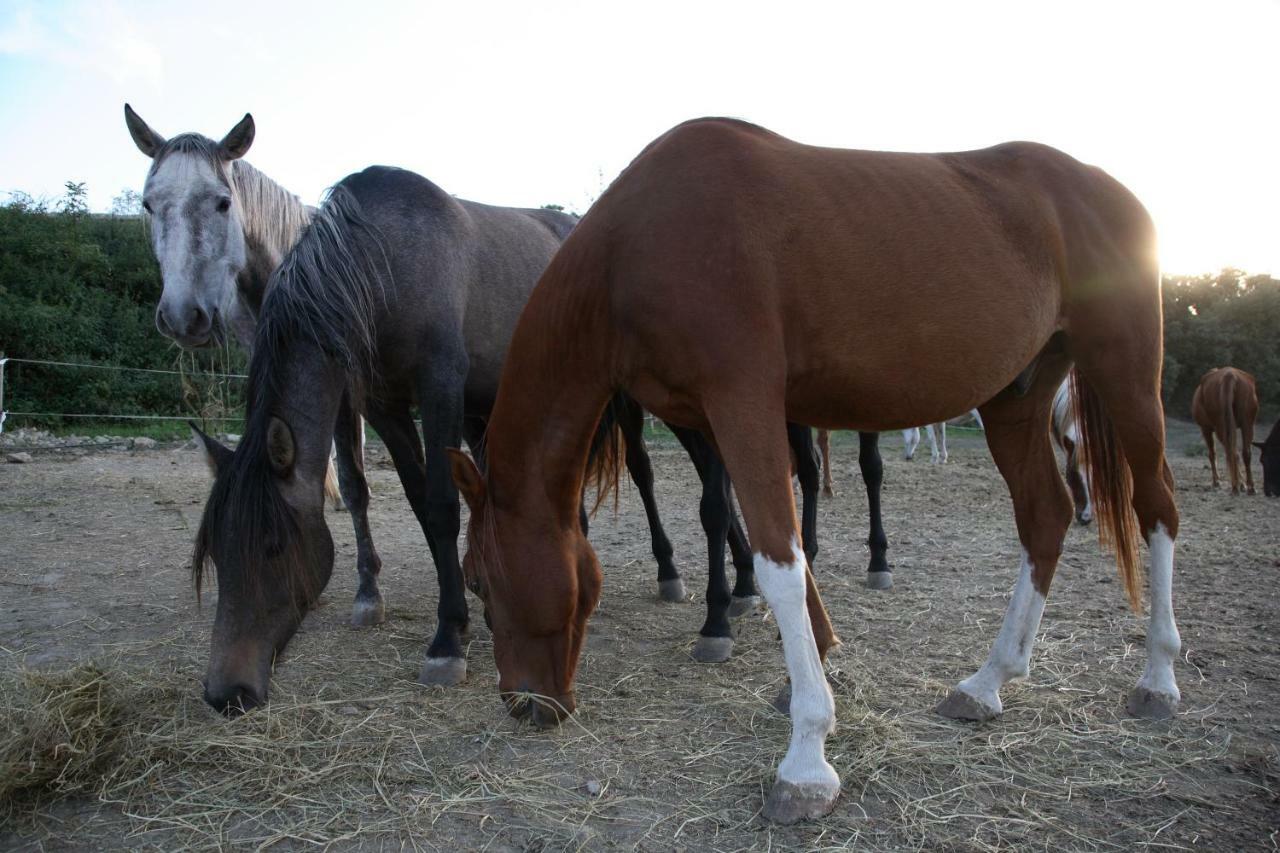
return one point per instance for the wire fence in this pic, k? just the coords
(6, 414)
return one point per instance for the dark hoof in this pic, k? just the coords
(789, 803)
(961, 706)
(365, 613)
(712, 649)
(739, 607)
(672, 590)
(879, 580)
(1151, 704)
(782, 702)
(443, 672)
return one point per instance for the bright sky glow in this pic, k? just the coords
(528, 103)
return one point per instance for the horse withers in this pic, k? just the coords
(1021, 258)
(1226, 405)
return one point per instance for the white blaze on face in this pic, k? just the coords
(198, 241)
(813, 712)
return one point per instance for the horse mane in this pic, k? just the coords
(325, 293)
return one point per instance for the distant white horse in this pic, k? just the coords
(1065, 425)
(937, 439)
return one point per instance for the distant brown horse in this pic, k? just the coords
(1226, 402)
(731, 280)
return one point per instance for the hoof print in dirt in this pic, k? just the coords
(790, 803)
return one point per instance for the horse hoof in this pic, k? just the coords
(443, 672)
(365, 614)
(789, 802)
(712, 649)
(828, 492)
(743, 606)
(782, 702)
(961, 706)
(1151, 704)
(879, 580)
(672, 590)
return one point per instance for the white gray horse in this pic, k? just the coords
(1065, 425)
(937, 439)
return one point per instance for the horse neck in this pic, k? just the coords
(554, 388)
(296, 381)
(273, 220)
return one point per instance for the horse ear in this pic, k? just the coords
(147, 140)
(280, 447)
(467, 478)
(237, 141)
(215, 454)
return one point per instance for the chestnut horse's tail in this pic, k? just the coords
(1228, 403)
(1111, 483)
(608, 455)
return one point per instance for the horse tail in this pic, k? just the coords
(607, 457)
(1229, 425)
(1111, 484)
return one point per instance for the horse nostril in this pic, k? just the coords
(236, 700)
(162, 323)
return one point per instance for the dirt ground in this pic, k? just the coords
(665, 753)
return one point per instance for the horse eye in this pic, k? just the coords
(146, 205)
(224, 204)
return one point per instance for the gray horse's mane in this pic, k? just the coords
(327, 291)
(272, 216)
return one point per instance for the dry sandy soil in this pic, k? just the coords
(665, 753)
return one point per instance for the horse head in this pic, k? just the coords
(264, 530)
(197, 229)
(538, 629)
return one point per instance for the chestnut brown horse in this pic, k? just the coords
(731, 280)
(1226, 402)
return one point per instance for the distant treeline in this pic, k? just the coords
(81, 287)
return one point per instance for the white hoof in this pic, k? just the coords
(672, 590)
(879, 580)
(443, 672)
(712, 649)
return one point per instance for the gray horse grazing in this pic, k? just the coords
(397, 294)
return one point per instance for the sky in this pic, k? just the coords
(528, 103)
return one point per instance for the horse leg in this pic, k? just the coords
(801, 440)
(715, 643)
(1207, 434)
(931, 430)
(1246, 431)
(348, 437)
(879, 575)
(630, 419)
(910, 441)
(824, 447)
(1018, 434)
(755, 450)
(440, 399)
(1077, 482)
(744, 599)
(941, 427)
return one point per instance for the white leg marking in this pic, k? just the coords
(1163, 642)
(932, 431)
(910, 440)
(813, 710)
(1010, 656)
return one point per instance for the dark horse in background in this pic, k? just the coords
(1226, 405)
(1269, 458)
(732, 281)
